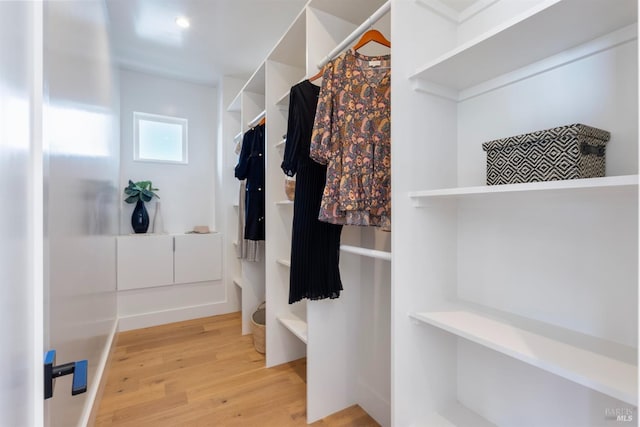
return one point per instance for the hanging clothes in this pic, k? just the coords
(315, 245)
(245, 249)
(251, 167)
(352, 136)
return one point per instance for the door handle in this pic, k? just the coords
(51, 372)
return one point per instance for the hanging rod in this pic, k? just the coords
(255, 121)
(356, 33)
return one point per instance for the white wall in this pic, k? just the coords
(21, 216)
(187, 192)
(81, 195)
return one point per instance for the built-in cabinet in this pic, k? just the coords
(149, 260)
(513, 305)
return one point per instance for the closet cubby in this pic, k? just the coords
(242, 112)
(517, 304)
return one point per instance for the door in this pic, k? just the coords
(21, 238)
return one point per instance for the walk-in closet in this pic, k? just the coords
(396, 213)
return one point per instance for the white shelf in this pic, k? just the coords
(588, 184)
(237, 282)
(283, 101)
(281, 143)
(520, 41)
(456, 415)
(285, 202)
(235, 104)
(371, 253)
(296, 325)
(593, 367)
(284, 262)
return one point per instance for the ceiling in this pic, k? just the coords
(226, 37)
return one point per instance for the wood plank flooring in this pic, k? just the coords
(203, 372)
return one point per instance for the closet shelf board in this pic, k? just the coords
(283, 100)
(372, 253)
(293, 323)
(588, 368)
(234, 106)
(281, 143)
(237, 282)
(520, 41)
(606, 183)
(284, 262)
(285, 202)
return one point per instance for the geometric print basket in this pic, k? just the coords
(565, 152)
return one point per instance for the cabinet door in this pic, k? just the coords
(198, 257)
(144, 261)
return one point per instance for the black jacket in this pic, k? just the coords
(251, 167)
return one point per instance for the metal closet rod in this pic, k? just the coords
(375, 17)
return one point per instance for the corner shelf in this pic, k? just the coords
(293, 323)
(519, 42)
(591, 366)
(588, 184)
(371, 253)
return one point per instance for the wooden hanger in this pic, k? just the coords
(372, 36)
(317, 76)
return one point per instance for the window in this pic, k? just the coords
(159, 138)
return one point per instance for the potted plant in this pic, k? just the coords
(138, 193)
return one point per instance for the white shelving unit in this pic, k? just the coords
(246, 107)
(330, 347)
(526, 284)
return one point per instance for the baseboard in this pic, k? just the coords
(155, 318)
(375, 405)
(92, 404)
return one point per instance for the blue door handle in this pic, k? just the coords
(51, 372)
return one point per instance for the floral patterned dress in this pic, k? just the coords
(352, 136)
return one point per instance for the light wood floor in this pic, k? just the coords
(203, 372)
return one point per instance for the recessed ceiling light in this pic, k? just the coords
(183, 22)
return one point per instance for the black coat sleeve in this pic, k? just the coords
(292, 146)
(242, 168)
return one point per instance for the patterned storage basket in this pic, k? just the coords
(566, 152)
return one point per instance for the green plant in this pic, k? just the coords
(141, 190)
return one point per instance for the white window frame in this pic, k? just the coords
(137, 116)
